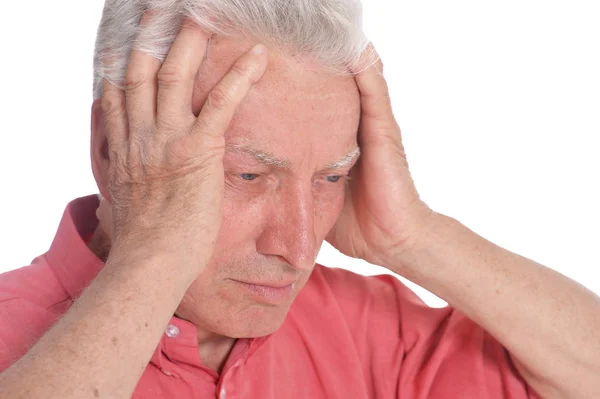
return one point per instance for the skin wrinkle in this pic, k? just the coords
(267, 235)
(272, 160)
(260, 156)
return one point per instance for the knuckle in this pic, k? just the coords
(111, 104)
(170, 75)
(243, 69)
(385, 95)
(134, 79)
(189, 24)
(218, 98)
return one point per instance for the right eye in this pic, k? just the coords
(248, 176)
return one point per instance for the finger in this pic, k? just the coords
(377, 117)
(114, 114)
(374, 91)
(177, 76)
(140, 80)
(226, 96)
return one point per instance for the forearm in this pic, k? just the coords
(549, 323)
(102, 345)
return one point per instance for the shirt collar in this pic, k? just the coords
(73, 263)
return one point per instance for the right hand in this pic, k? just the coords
(166, 176)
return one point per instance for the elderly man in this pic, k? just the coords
(223, 164)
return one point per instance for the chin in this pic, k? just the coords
(254, 322)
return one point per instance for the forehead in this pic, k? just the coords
(296, 102)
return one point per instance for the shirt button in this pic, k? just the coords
(172, 331)
(223, 394)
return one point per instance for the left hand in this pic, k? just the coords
(382, 213)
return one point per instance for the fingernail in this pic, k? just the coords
(258, 49)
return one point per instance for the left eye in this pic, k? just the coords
(333, 179)
(248, 176)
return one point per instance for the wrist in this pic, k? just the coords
(408, 256)
(158, 253)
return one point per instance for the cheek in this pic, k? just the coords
(243, 214)
(327, 210)
(239, 222)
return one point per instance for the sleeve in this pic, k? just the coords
(31, 301)
(446, 355)
(22, 324)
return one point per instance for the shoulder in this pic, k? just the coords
(31, 299)
(375, 308)
(366, 305)
(35, 282)
(355, 292)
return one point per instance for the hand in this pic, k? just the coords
(166, 172)
(383, 214)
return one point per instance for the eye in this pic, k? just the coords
(333, 179)
(248, 176)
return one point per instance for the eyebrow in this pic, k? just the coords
(282, 163)
(345, 161)
(260, 156)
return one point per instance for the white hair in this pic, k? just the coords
(330, 31)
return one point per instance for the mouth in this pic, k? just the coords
(273, 293)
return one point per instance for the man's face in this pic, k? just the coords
(282, 195)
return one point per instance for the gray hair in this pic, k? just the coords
(330, 31)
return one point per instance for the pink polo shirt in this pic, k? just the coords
(346, 336)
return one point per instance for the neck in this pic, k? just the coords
(214, 349)
(100, 244)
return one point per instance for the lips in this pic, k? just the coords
(268, 284)
(268, 292)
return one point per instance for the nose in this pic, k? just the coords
(289, 230)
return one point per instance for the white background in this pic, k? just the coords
(499, 104)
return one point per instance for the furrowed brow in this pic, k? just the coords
(345, 161)
(260, 156)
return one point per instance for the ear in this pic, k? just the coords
(99, 150)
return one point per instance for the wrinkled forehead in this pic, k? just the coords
(294, 92)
